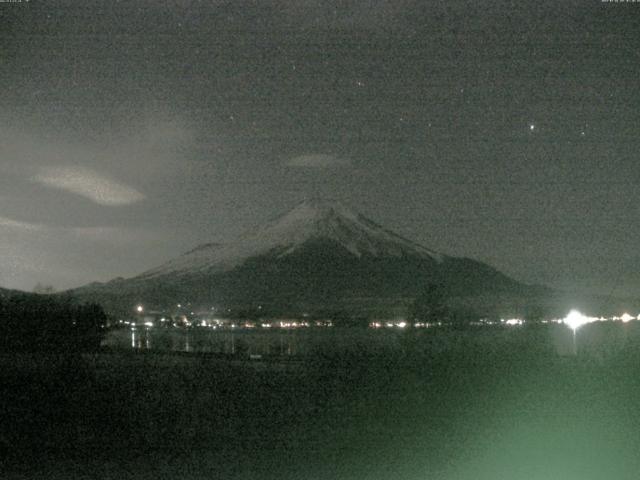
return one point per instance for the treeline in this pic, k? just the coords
(44, 323)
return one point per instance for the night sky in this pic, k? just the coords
(504, 131)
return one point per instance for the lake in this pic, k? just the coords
(595, 339)
(278, 342)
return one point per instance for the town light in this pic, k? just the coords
(139, 309)
(626, 318)
(575, 320)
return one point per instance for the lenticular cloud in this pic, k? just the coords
(89, 184)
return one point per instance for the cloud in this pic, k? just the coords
(89, 184)
(18, 225)
(318, 160)
(115, 235)
(100, 233)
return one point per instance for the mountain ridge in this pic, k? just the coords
(308, 220)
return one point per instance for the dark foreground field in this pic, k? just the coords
(456, 405)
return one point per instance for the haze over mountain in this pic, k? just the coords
(319, 257)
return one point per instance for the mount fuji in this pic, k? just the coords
(315, 220)
(318, 256)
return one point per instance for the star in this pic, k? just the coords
(583, 131)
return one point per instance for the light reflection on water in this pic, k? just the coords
(283, 342)
(271, 342)
(597, 340)
(140, 339)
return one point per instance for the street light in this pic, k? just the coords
(575, 320)
(626, 318)
(139, 309)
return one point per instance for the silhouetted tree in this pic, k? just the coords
(45, 323)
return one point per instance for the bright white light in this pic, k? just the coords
(532, 127)
(575, 320)
(148, 324)
(139, 309)
(626, 317)
(402, 324)
(514, 321)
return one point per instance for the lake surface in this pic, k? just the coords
(263, 342)
(598, 339)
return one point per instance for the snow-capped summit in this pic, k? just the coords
(312, 220)
(331, 220)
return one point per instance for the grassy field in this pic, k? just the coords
(496, 404)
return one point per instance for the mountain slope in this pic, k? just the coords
(315, 219)
(318, 254)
